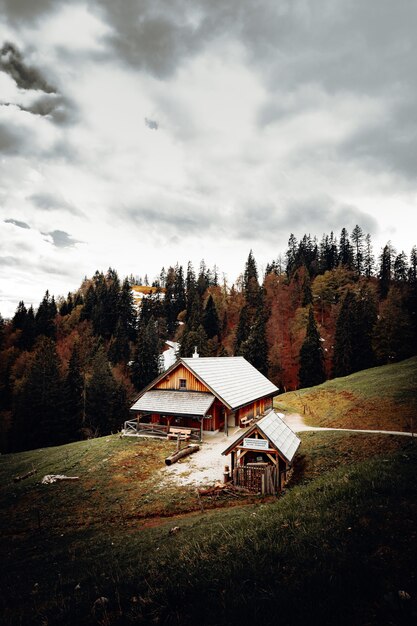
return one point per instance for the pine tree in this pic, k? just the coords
(119, 348)
(400, 268)
(19, 317)
(358, 249)
(211, 319)
(369, 260)
(394, 337)
(100, 396)
(45, 317)
(73, 400)
(146, 365)
(126, 311)
(385, 269)
(312, 370)
(345, 250)
(250, 281)
(39, 401)
(366, 312)
(344, 342)
(255, 348)
(192, 339)
(243, 329)
(291, 255)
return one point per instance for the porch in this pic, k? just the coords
(136, 428)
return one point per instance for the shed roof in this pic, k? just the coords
(281, 437)
(195, 403)
(232, 379)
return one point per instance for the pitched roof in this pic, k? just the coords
(232, 379)
(282, 438)
(195, 403)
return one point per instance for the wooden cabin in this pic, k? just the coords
(263, 454)
(205, 394)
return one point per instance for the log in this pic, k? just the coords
(23, 476)
(181, 453)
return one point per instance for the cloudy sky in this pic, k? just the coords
(140, 133)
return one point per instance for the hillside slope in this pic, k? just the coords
(339, 547)
(381, 398)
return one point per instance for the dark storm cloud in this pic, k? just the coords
(315, 216)
(25, 76)
(50, 104)
(50, 202)
(17, 223)
(61, 239)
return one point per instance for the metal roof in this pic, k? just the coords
(232, 379)
(279, 434)
(282, 438)
(174, 402)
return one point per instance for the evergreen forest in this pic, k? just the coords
(71, 368)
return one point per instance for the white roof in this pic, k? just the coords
(281, 435)
(233, 379)
(173, 402)
(277, 432)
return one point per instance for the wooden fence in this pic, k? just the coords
(262, 479)
(133, 427)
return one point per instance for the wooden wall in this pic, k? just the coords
(172, 380)
(255, 408)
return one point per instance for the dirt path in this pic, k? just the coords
(296, 422)
(206, 466)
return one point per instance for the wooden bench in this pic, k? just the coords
(183, 434)
(246, 421)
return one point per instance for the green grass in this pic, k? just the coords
(337, 549)
(382, 398)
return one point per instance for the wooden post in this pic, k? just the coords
(201, 429)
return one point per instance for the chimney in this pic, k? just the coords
(195, 355)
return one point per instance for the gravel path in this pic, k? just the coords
(296, 422)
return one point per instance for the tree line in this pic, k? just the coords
(70, 368)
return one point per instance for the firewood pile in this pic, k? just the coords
(224, 489)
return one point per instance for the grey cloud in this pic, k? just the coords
(152, 124)
(51, 202)
(27, 10)
(10, 261)
(25, 76)
(315, 216)
(181, 220)
(61, 239)
(17, 223)
(12, 138)
(389, 147)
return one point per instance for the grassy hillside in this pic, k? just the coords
(379, 398)
(342, 539)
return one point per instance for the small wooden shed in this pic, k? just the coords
(262, 455)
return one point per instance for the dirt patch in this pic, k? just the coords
(205, 467)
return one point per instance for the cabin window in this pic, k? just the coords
(183, 383)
